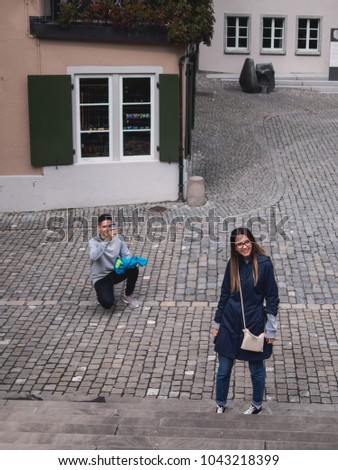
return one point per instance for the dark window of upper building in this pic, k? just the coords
(273, 35)
(308, 36)
(236, 34)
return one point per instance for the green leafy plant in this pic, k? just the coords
(184, 21)
(67, 14)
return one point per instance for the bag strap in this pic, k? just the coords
(241, 295)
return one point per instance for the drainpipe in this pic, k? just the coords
(181, 136)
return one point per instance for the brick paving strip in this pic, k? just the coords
(164, 350)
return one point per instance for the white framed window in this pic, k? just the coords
(308, 36)
(273, 35)
(236, 34)
(116, 113)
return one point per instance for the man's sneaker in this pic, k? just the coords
(252, 410)
(133, 303)
(220, 409)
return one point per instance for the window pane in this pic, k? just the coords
(279, 22)
(136, 116)
(136, 90)
(231, 20)
(302, 22)
(267, 22)
(136, 143)
(314, 24)
(266, 43)
(313, 44)
(301, 44)
(94, 118)
(242, 42)
(243, 21)
(231, 32)
(267, 32)
(231, 42)
(95, 144)
(139, 120)
(302, 34)
(94, 90)
(278, 44)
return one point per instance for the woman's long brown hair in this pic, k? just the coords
(235, 257)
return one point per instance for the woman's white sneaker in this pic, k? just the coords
(252, 410)
(220, 409)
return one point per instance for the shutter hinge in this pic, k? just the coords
(73, 151)
(72, 86)
(158, 84)
(158, 148)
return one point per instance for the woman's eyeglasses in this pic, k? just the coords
(241, 245)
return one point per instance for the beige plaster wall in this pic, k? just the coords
(19, 58)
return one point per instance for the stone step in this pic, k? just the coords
(163, 424)
(290, 76)
(325, 87)
(314, 83)
(65, 404)
(311, 82)
(46, 441)
(101, 424)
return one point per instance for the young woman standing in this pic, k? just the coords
(249, 265)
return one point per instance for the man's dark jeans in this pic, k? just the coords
(105, 287)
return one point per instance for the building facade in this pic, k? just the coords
(88, 118)
(294, 36)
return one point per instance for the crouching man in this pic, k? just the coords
(104, 249)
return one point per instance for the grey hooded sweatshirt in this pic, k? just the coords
(103, 255)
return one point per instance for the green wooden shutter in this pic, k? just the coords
(50, 120)
(169, 118)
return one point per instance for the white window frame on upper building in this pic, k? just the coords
(307, 50)
(273, 50)
(237, 49)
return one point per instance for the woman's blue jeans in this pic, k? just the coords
(257, 373)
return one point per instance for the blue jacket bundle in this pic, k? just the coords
(122, 264)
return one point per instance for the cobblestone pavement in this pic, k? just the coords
(270, 162)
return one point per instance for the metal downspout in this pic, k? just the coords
(181, 136)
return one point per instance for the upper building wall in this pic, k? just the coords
(214, 59)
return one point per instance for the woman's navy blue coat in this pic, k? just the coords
(229, 311)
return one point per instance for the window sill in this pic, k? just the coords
(272, 52)
(237, 51)
(109, 161)
(309, 53)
